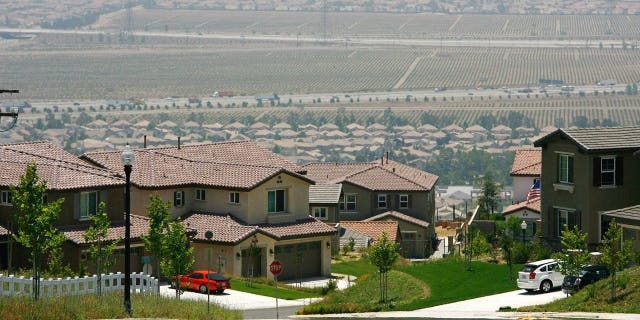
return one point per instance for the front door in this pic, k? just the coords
(252, 262)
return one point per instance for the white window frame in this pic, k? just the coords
(284, 201)
(178, 201)
(5, 198)
(382, 199)
(564, 178)
(234, 197)
(201, 195)
(608, 171)
(321, 213)
(405, 201)
(85, 215)
(344, 203)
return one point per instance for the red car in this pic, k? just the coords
(199, 280)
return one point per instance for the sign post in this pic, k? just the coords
(276, 268)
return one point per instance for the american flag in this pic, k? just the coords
(534, 192)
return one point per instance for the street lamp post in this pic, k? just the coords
(208, 235)
(523, 226)
(127, 161)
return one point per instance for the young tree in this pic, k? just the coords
(476, 245)
(159, 217)
(100, 250)
(616, 253)
(488, 200)
(179, 255)
(35, 222)
(574, 252)
(383, 254)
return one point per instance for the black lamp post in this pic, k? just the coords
(208, 235)
(127, 161)
(523, 226)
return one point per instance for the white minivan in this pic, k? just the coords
(542, 275)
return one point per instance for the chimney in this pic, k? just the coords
(387, 157)
(144, 143)
(178, 143)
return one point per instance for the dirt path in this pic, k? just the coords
(408, 72)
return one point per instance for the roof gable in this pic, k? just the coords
(373, 229)
(324, 193)
(597, 139)
(399, 216)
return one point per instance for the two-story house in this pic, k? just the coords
(255, 203)
(587, 174)
(83, 187)
(383, 190)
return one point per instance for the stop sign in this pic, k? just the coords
(275, 267)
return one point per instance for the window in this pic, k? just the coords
(178, 199)
(566, 218)
(5, 197)
(201, 195)
(565, 168)
(320, 213)
(382, 201)
(275, 201)
(234, 197)
(88, 204)
(404, 201)
(608, 171)
(348, 202)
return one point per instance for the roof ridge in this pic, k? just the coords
(527, 166)
(401, 177)
(25, 143)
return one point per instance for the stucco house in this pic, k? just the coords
(590, 176)
(251, 199)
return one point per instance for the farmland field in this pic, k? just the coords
(405, 25)
(90, 68)
(565, 112)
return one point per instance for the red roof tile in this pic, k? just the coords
(374, 229)
(533, 205)
(3, 231)
(60, 169)
(139, 227)
(227, 229)
(399, 215)
(373, 175)
(233, 165)
(527, 162)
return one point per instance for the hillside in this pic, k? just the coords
(595, 298)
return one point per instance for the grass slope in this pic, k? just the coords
(109, 306)
(449, 281)
(354, 267)
(262, 289)
(595, 297)
(364, 296)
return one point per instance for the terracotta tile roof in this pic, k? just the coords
(399, 215)
(373, 175)
(374, 229)
(533, 205)
(324, 193)
(3, 231)
(227, 229)
(233, 165)
(598, 139)
(527, 162)
(61, 170)
(139, 227)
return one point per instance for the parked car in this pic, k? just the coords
(586, 275)
(199, 280)
(540, 275)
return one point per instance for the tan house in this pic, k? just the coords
(413, 233)
(372, 188)
(247, 196)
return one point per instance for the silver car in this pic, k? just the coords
(540, 275)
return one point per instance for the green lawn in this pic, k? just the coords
(262, 289)
(109, 306)
(596, 297)
(449, 281)
(355, 267)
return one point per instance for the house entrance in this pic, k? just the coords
(252, 261)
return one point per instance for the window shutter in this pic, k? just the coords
(396, 205)
(76, 206)
(175, 198)
(578, 218)
(570, 168)
(619, 168)
(558, 168)
(553, 215)
(597, 172)
(409, 201)
(184, 200)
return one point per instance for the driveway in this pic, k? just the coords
(236, 300)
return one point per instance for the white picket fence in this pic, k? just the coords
(140, 283)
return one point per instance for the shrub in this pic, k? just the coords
(521, 253)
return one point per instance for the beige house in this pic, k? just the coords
(247, 196)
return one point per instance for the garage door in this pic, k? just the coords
(300, 260)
